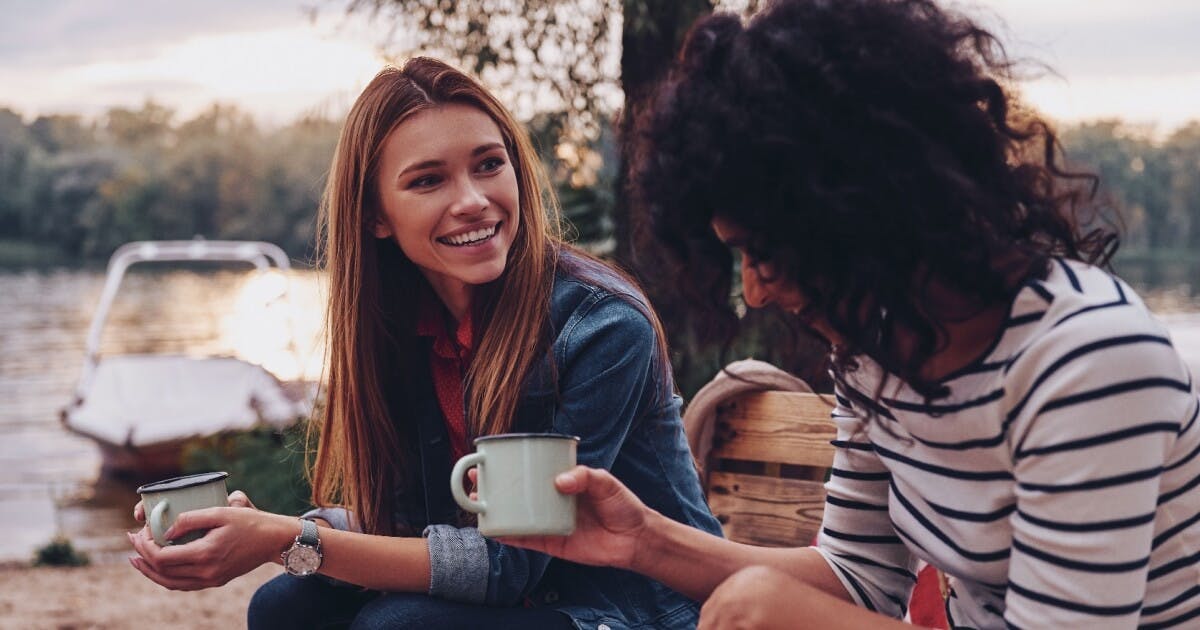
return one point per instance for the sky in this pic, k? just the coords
(1134, 59)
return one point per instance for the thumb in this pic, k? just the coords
(207, 518)
(597, 483)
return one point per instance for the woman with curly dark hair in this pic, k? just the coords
(1007, 410)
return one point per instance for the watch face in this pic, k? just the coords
(302, 560)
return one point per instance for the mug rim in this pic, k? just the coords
(515, 436)
(184, 481)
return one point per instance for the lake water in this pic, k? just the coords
(50, 479)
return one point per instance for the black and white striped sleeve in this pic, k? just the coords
(857, 538)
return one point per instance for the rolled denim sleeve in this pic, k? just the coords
(459, 563)
(605, 355)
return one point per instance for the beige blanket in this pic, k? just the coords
(736, 378)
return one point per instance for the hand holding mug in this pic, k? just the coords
(235, 541)
(610, 521)
(163, 501)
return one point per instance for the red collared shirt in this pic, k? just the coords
(448, 364)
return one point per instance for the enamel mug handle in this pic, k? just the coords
(456, 484)
(156, 522)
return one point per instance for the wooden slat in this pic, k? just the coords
(779, 427)
(766, 511)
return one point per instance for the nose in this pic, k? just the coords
(755, 292)
(469, 199)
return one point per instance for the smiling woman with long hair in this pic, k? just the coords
(456, 311)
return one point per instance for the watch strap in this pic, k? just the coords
(308, 533)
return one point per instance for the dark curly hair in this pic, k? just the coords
(868, 148)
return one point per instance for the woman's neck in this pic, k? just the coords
(456, 296)
(969, 329)
(965, 341)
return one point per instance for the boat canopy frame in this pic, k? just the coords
(261, 254)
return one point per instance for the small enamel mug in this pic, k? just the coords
(165, 500)
(515, 486)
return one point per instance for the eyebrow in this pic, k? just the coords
(479, 150)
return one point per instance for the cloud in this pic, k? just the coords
(51, 33)
(1098, 37)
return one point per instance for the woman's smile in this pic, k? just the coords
(473, 237)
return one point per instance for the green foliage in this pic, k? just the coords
(1152, 187)
(59, 552)
(267, 464)
(83, 189)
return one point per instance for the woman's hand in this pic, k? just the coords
(609, 521)
(238, 540)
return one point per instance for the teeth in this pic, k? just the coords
(471, 237)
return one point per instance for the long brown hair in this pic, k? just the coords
(360, 454)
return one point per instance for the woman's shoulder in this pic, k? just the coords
(1078, 299)
(1082, 314)
(581, 281)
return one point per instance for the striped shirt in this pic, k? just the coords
(1058, 485)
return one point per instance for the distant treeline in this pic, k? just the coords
(72, 190)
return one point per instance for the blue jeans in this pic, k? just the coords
(292, 602)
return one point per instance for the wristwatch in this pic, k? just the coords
(304, 556)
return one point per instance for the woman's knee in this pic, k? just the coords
(291, 602)
(275, 602)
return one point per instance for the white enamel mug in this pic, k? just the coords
(165, 500)
(515, 486)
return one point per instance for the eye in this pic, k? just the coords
(424, 181)
(491, 164)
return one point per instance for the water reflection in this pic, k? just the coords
(48, 477)
(267, 327)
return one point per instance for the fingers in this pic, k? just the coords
(207, 518)
(237, 498)
(536, 543)
(173, 582)
(543, 544)
(162, 557)
(473, 475)
(139, 512)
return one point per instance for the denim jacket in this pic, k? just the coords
(604, 386)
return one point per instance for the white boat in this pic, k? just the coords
(143, 408)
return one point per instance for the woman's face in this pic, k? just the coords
(449, 197)
(761, 284)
